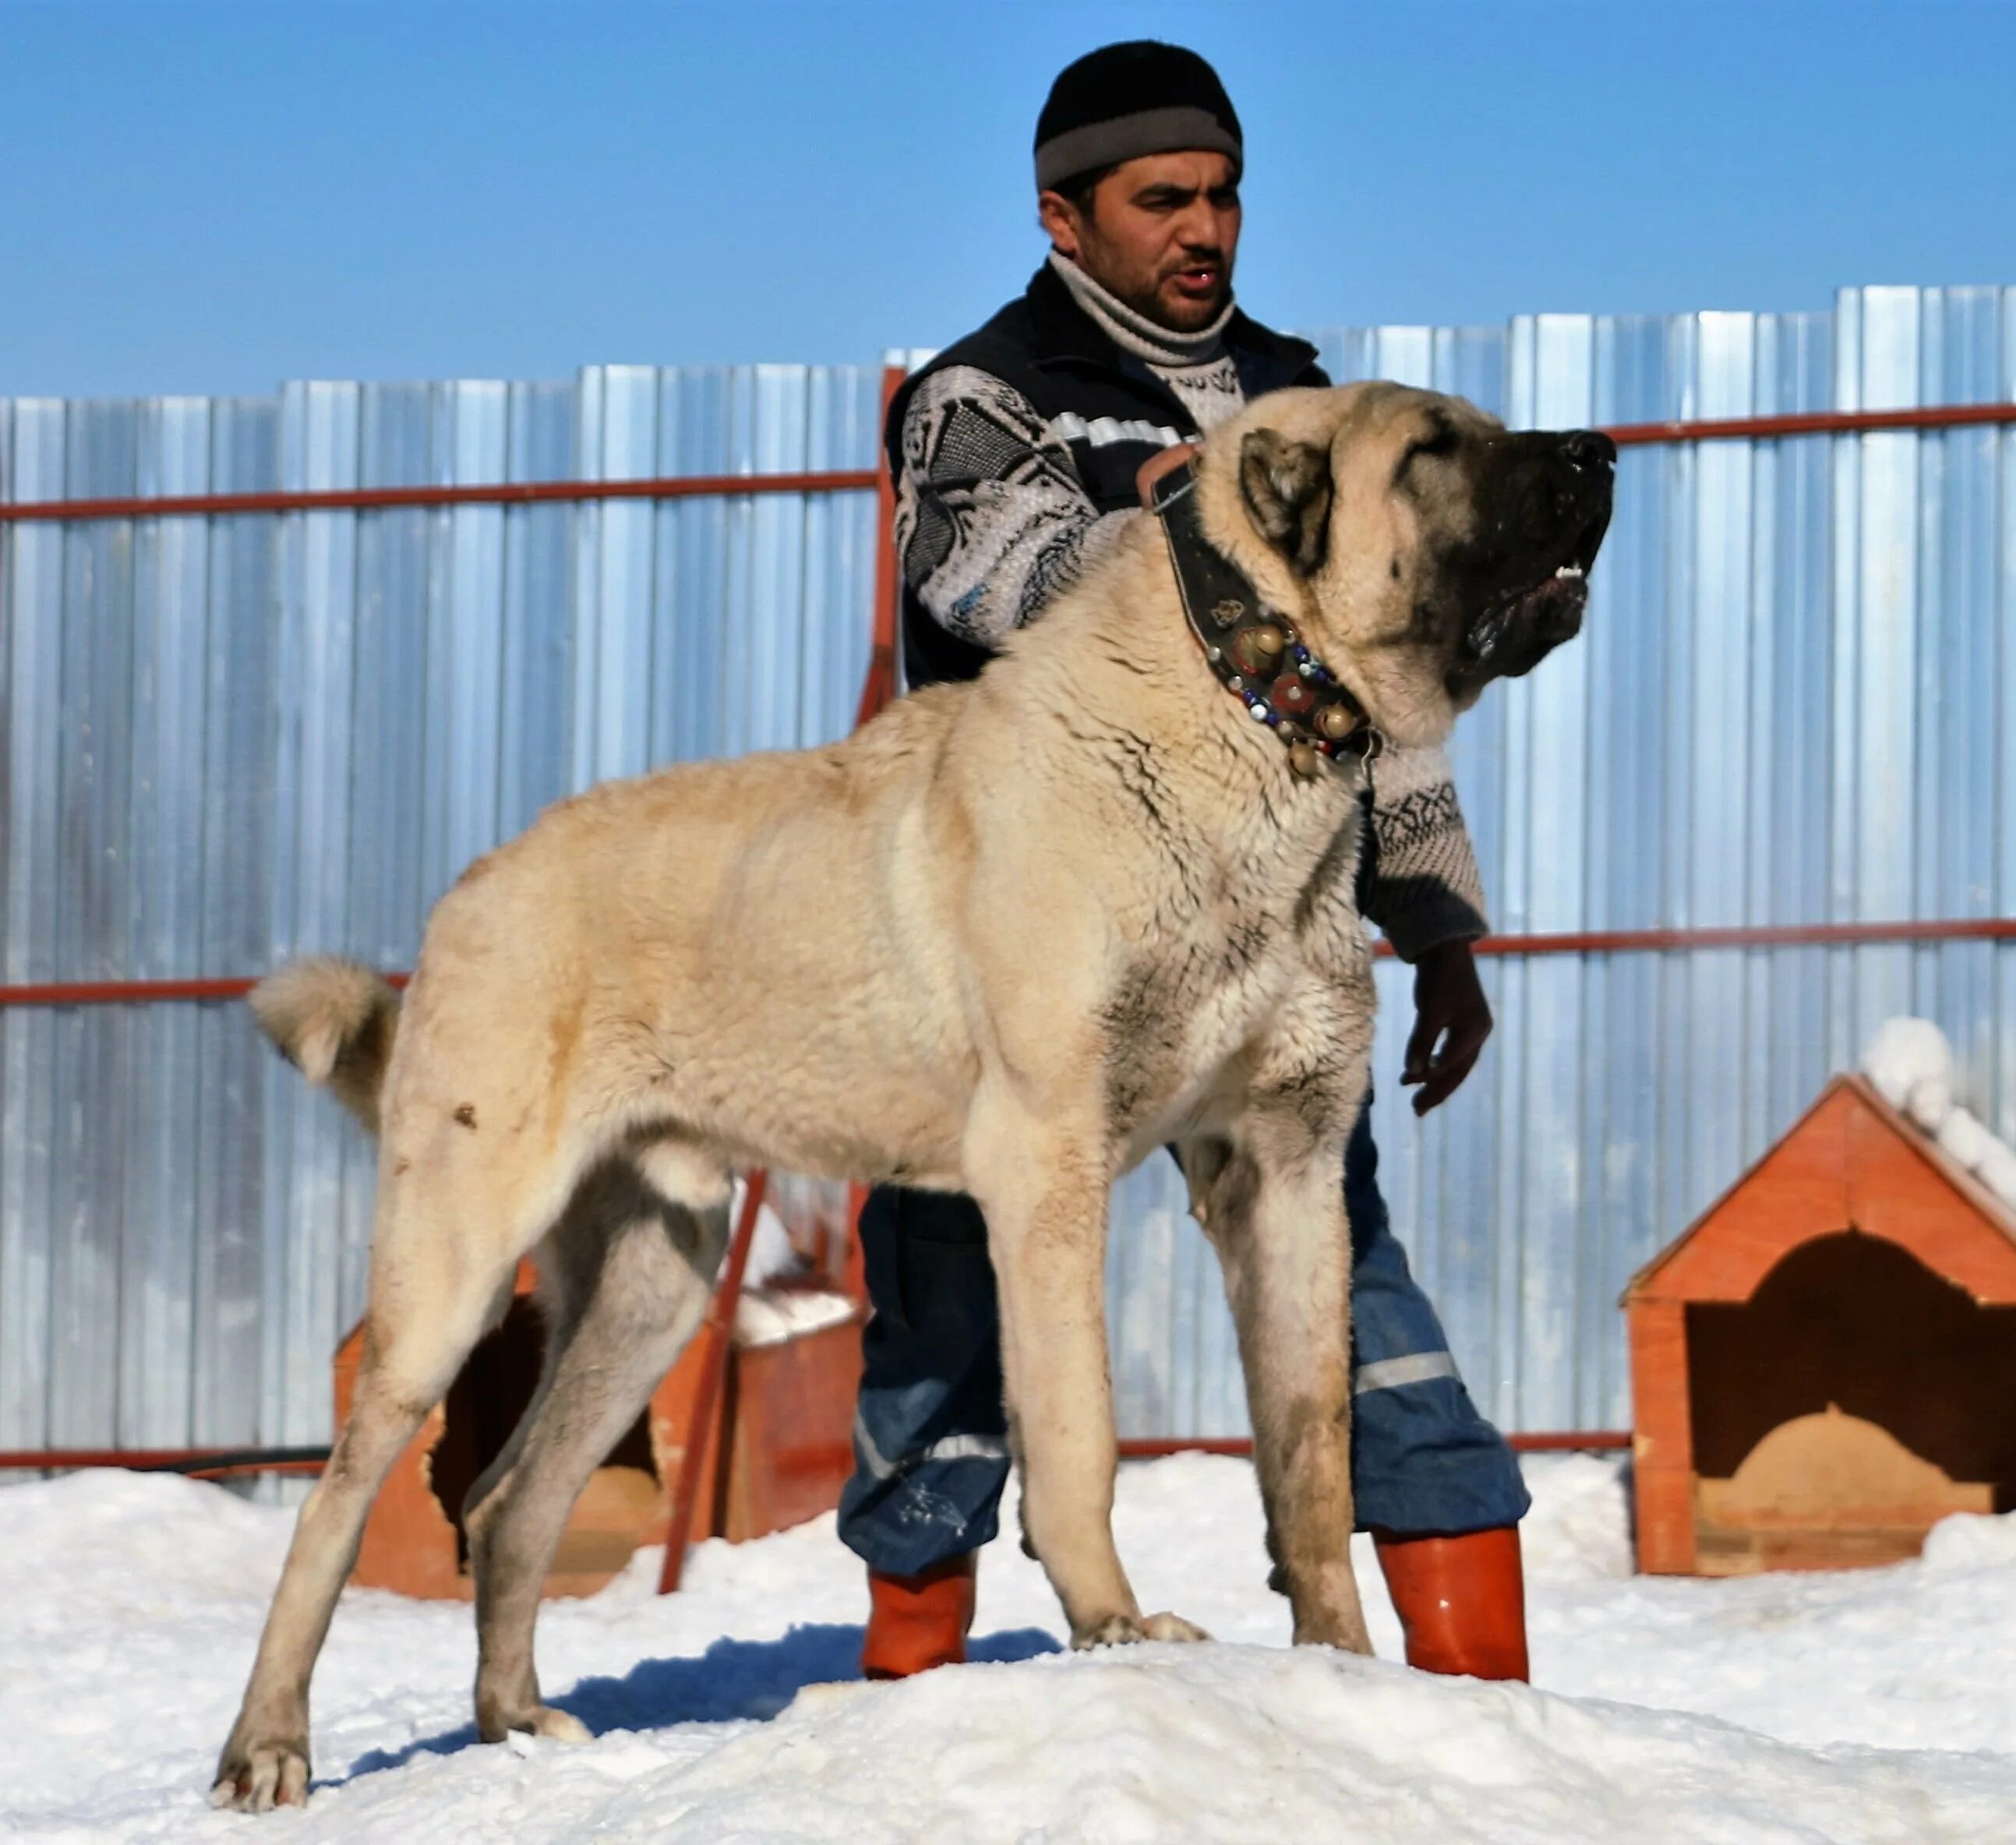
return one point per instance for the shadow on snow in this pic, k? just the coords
(734, 1680)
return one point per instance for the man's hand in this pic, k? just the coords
(1157, 465)
(1452, 1020)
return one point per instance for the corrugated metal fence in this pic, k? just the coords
(231, 740)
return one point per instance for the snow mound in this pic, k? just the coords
(1580, 1526)
(145, 1541)
(1248, 1743)
(1971, 1541)
(1911, 1064)
(1877, 1705)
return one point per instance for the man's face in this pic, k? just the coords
(1160, 233)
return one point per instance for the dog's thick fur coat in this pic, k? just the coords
(1007, 939)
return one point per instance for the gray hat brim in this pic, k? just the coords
(1179, 130)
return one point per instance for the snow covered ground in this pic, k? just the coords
(1879, 1706)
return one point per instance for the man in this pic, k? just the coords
(1016, 453)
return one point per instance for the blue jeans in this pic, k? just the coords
(931, 1444)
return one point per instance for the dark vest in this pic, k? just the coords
(1049, 350)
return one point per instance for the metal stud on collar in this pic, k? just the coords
(1316, 717)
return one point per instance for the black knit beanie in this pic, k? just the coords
(1124, 100)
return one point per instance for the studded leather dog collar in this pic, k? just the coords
(1254, 650)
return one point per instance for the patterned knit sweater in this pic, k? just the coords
(993, 521)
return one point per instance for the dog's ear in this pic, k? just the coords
(1287, 486)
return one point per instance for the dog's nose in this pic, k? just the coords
(1589, 449)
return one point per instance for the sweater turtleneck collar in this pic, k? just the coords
(1134, 332)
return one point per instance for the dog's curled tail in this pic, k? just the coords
(333, 1019)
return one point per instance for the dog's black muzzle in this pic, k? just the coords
(1549, 509)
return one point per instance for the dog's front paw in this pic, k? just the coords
(1125, 1630)
(532, 1720)
(557, 1726)
(257, 1776)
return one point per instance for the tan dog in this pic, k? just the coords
(1008, 939)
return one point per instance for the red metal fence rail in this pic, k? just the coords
(515, 493)
(1595, 942)
(1763, 935)
(1812, 423)
(218, 1463)
(191, 1463)
(379, 499)
(1553, 1441)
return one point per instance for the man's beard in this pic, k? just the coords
(1154, 306)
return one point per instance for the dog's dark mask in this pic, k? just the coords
(1519, 584)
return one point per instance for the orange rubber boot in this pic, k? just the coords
(917, 1622)
(1462, 1602)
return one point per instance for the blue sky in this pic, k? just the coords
(208, 197)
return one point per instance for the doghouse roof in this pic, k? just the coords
(1850, 1162)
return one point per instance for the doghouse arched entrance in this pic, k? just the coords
(1855, 1398)
(483, 1407)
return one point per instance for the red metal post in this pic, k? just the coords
(715, 1334)
(854, 1266)
(880, 686)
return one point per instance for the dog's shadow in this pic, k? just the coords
(734, 1680)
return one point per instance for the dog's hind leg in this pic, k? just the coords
(1274, 1210)
(640, 1269)
(434, 1293)
(564, 1284)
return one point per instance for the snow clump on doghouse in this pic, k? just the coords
(1911, 1064)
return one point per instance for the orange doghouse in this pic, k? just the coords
(777, 1453)
(1823, 1366)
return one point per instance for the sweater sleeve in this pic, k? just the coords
(1424, 889)
(992, 519)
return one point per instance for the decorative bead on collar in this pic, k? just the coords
(1253, 650)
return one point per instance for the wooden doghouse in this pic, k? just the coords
(1824, 1365)
(787, 1409)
